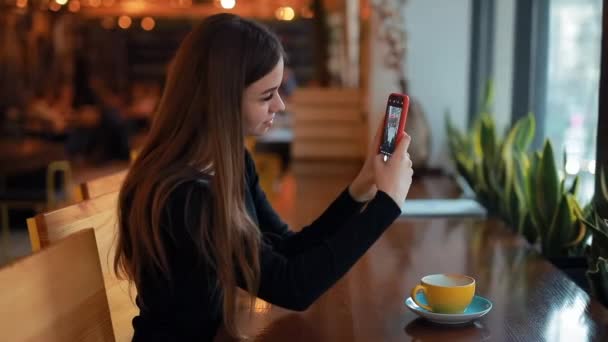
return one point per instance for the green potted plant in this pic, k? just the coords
(496, 168)
(553, 207)
(553, 212)
(524, 189)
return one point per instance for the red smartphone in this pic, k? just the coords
(394, 122)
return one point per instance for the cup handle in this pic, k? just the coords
(415, 291)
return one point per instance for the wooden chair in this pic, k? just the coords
(328, 124)
(99, 213)
(57, 294)
(103, 185)
(37, 199)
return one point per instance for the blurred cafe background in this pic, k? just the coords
(80, 79)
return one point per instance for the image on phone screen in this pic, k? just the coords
(390, 129)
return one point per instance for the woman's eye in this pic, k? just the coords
(268, 98)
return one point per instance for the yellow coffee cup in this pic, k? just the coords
(445, 293)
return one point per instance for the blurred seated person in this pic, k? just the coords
(97, 130)
(48, 113)
(143, 102)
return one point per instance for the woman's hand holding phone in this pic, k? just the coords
(394, 176)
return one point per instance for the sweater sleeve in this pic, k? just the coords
(284, 240)
(295, 281)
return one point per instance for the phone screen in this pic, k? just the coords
(393, 115)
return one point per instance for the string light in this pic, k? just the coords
(148, 23)
(228, 4)
(285, 13)
(124, 22)
(21, 3)
(95, 3)
(108, 3)
(61, 2)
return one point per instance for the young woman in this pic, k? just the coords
(194, 223)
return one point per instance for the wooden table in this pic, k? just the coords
(533, 301)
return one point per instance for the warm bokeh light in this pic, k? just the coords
(53, 6)
(148, 23)
(108, 23)
(285, 13)
(74, 6)
(124, 22)
(228, 4)
(21, 3)
(61, 2)
(95, 3)
(108, 3)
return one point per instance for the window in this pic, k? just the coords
(572, 88)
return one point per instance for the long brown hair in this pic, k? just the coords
(198, 129)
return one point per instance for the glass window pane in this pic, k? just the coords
(572, 89)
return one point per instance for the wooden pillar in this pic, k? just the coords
(350, 71)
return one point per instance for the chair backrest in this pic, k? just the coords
(99, 213)
(56, 294)
(103, 185)
(328, 124)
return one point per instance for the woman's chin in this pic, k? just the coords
(263, 129)
(260, 130)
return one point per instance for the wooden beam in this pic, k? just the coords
(261, 9)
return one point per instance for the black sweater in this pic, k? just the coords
(296, 268)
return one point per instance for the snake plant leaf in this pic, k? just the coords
(466, 167)
(560, 231)
(522, 134)
(574, 186)
(535, 211)
(579, 231)
(547, 185)
(521, 171)
(487, 138)
(488, 97)
(476, 148)
(517, 141)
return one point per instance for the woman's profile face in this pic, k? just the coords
(261, 101)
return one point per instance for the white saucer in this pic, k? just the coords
(478, 307)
